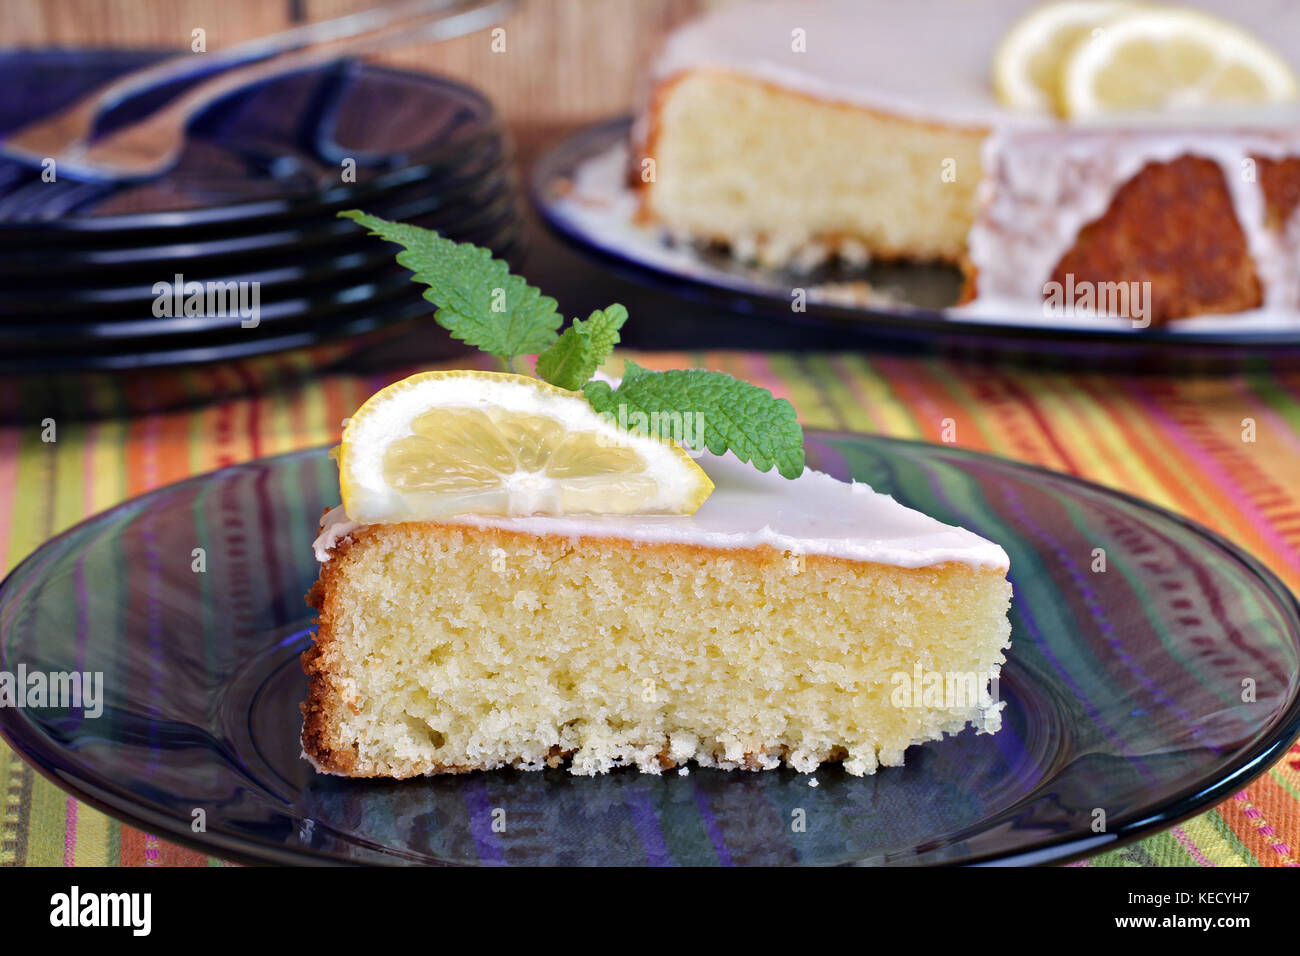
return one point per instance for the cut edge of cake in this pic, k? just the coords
(339, 738)
(934, 227)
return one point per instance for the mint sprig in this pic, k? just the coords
(736, 416)
(482, 304)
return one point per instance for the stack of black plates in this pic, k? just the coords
(103, 278)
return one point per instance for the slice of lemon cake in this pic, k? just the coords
(528, 570)
(784, 621)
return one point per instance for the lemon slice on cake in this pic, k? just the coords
(465, 442)
(1158, 58)
(1027, 64)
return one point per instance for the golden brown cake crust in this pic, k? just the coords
(319, 710)
(1279, 180)
(1173, 225)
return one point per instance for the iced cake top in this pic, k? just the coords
(812, 514)
(927, 59)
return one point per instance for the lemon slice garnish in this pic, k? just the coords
(446, 443)
(1027, 64)
(1162, 58)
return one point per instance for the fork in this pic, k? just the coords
(150, 146)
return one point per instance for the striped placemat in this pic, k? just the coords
(1222, 450)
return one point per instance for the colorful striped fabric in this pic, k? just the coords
(1223, 450)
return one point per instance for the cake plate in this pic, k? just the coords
(1139, 691)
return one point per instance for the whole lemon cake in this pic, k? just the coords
(533, 569)
(1087, 144)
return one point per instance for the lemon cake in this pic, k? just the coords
(527, 570)
(785, 622)
(1090, 144)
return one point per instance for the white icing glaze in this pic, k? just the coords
(916, 57)
(1043, 178)
(601, 207)
(335, 526)
(1040, 189)
(813, 514)
(928, 59)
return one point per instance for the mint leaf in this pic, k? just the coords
(479, 302)
(735, 415)
(583, 346)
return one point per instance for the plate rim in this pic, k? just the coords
(1251, 761)
(301, 235)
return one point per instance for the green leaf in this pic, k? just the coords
(735, 415)
(581, 349)
(479, 302)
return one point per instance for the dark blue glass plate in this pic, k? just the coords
(1124, 691)
(258, 159)
(387, 306)
(304, 313)
(280, 273)
(922, 292)
(169, 352)
(440, 201)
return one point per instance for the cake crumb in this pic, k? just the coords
(812, 782)
(683, 771)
